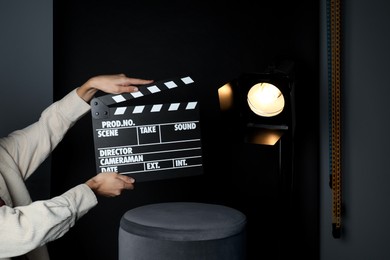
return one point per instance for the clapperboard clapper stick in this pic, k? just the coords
(151, 141)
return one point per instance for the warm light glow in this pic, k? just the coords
(225, 94)
(265, 99)
(263, 136)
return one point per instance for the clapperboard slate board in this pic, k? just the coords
(147, 142)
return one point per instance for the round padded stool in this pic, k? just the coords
(182, 231)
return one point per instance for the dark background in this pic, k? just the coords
(26, 80)
(214, 44)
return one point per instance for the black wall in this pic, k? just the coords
(213, 44)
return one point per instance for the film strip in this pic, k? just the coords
(148, 141)
(334, 85)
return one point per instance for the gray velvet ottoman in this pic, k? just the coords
(182, 231)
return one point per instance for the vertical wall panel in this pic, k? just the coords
(26, 72)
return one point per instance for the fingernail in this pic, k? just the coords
(135, 88)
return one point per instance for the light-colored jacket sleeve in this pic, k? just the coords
(30, 146)
(28, 227)
(25, 225)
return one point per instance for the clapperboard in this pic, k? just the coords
(150, 141)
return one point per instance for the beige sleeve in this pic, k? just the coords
(27, 227)
(30, 146)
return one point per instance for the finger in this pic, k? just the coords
(129, 89)
(126, 179)
(136, 81)
(128, 186)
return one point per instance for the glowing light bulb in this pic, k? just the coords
(265, 99)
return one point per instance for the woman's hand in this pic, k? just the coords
(110, 184)
(113, 84)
